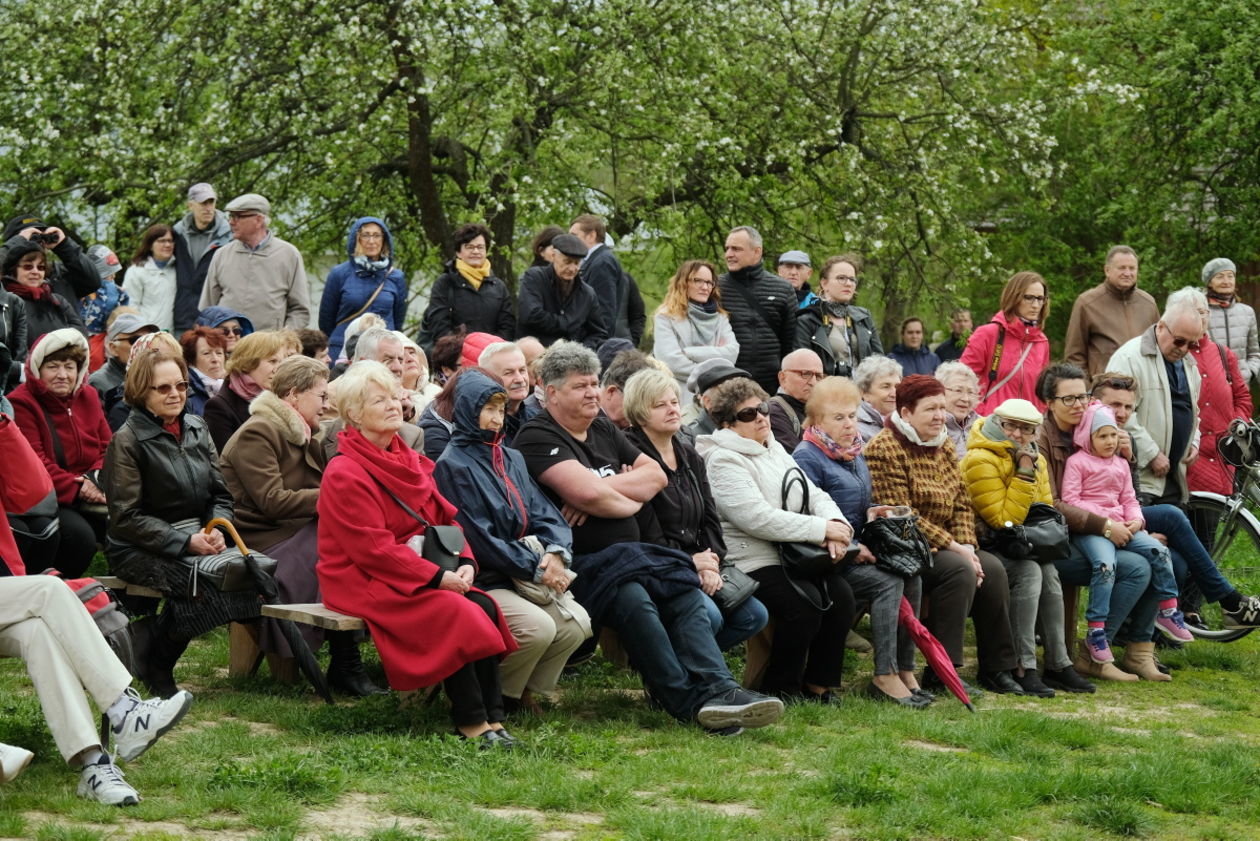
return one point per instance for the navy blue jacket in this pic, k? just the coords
(848, 483)
(921, 361)
(349, 286)
(498, 502)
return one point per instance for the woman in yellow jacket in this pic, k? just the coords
(1004, 475)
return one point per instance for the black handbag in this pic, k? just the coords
(806, 565)
(226, 571)
(1042, 537)
(737, 588)
(898, 545)
(440, 545)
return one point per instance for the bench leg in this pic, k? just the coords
(758, 655)
(243, 653)
(1071, 595)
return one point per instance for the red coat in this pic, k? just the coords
(1219, 403)
(23, 482)
(366, 569)
(81, 426)
(978, 356)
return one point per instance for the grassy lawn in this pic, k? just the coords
(258, 760)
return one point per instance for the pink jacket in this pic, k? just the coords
(978, 356)
(1103, 486)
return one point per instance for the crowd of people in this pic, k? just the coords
(521, 477)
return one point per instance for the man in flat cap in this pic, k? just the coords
(556, 304)
(258, 273)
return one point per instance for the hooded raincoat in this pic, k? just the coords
(350, 289)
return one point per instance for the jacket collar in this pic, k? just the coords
(270, 407)
(1149, 345)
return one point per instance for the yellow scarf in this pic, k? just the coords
(473, 274)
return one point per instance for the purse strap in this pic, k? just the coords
(404, 506)
(363, 308)
(790, 478)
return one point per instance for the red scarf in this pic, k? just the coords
(830, 448)
(401, 469)
(30, 293)
(175, 428)
(243, 386)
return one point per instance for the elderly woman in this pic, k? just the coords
(467, 295)
(876, 377)
(830, 455)
(249, 372)
(25, 273)
(747, 468)
(962, 393)
(367, 282)
(205, 354)
(62, 419)
(1009, 352)
(840, 332)
(415, 376)
(162, 480)
(685, 515)
(1062, 388)
(1233, 323)
(690, 324)
(1005, 474)
(523, 545)
(912, 463)
(150, 280)
(429, 624)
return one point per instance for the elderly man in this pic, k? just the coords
(795, 268)
(505, 361)
(649, 595)
(800, 370)
(612, 384)
(1110, 314)
(202, 230)
(123, 330)
(258, 273)
(555, 303)
(380, 345)
(762, 308)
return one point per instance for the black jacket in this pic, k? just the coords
(543, 315)
(685, 512)
(72, 278)
(224, 414)
(453, 302)
(767, 333)
(813, 325)
(13, 335)
(190, 277)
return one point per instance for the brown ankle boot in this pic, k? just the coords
(1086, 667)
(1139, 658)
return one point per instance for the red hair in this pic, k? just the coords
(914, 388)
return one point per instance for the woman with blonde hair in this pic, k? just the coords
(690, 324)
(249, 370)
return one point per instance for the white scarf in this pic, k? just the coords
(909, 431)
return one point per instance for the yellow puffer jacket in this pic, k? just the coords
(988, 470)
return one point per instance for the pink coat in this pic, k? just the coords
(978, 356)
(1103, 486)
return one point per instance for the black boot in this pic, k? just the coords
(345, 668)
(159, 673)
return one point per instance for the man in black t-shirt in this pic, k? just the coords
(600, 481)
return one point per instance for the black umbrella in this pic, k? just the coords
(266, 586)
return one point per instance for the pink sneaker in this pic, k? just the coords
(1096, 644)
(1172, 624)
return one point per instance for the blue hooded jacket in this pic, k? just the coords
(349, 287)
(216, 315)
(497, 499)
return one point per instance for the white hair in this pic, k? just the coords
(1184, 300)
(493, 349)
(370, 342)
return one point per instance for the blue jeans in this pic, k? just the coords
(670, 643)
(1102, 558)
(747, 619)
(1188, 553)
(1131, 595)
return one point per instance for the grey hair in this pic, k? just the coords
(494, 349)
(949, 370)
(1117, 250)
(754, 236)
(298, 373)
(1185, 299)
(643, 389)
(352, 387)
(564, 358)
(873, 368)
(370, 342)
(364, 322)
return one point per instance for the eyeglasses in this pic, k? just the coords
(1072, 399)
(808, 376)
(1013, 426)
(236, 214)
(166, 388)
(749, 414)
(468, 246)
(844, 278)
(969, 392)
(702, 281)
(1034, 299)
(232, 331)
(1180, 341)
(1121, 383)
(371, 235)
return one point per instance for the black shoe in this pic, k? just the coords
(920, 692)
(913, 701)
(345, 669)
(1068, 680)
(739, 707)
(1032, 685)
(506, 739)
(999, 682)
(936, 686)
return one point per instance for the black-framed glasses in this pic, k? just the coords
(1015, 426)
(1072, 399)
(1034, 299)
(166, 388)
(232, 331)
(749, 414)
(242, 214)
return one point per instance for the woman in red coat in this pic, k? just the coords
(429, 625)
(1025, 349)
(62, 418)
(1223, 396)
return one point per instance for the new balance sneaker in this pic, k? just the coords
(103, 782)
(146, 721)
(1172, 624)
(1096, 644)
(13, 761)
(739, 708)
(1246, 616)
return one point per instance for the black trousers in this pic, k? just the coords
(474, 689)
(808, 644)
(69, 550)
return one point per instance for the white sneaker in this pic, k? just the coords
(13, 761)
(146, 721)
(103, 782)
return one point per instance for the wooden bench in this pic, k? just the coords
(116, 584)
(316, 615)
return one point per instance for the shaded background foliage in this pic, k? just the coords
(952, 143)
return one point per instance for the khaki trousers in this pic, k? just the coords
(43, 622)
(546, 639)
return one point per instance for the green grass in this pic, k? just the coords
(257, 760)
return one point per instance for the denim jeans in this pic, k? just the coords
(1102, 557)
(1131, 594)
(747, 619)
(670, 643)
(1188, 553)
(1036, 595)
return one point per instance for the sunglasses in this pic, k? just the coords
(1182, 341)
(232, 331)
(166, 388)
(749, 414)
(1120, 383)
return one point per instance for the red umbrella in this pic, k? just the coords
(935, 653)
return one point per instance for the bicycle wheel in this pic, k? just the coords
(1235, 547)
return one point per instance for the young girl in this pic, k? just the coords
(1097, 480)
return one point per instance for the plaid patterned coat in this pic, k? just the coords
(928, 480)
